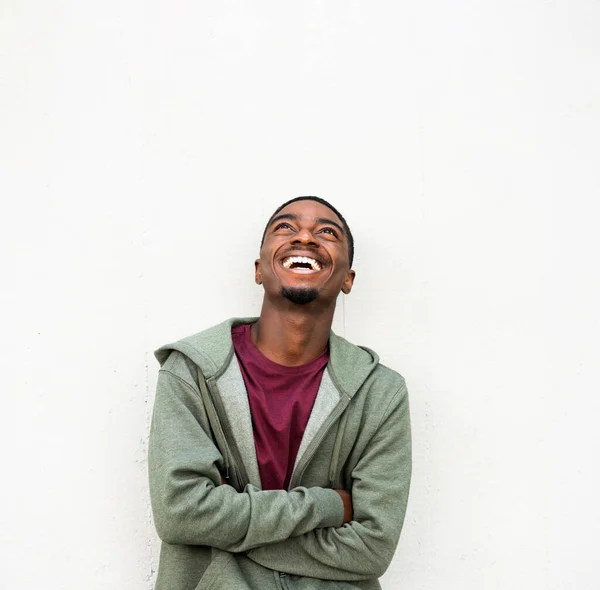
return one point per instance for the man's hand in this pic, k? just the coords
(347, 500)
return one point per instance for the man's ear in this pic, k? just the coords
(257, 273)
(348, 282)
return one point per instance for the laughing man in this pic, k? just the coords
(280, 454)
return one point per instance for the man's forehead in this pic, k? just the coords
(309, 210)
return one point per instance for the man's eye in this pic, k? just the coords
(329, 230)
(283, 226)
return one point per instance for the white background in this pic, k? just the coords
(143, 146)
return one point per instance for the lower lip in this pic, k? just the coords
(302, 271)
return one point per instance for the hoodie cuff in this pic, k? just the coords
(331, 507)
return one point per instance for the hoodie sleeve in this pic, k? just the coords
(363, 548)
(190, 506)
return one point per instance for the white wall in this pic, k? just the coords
(142, 147)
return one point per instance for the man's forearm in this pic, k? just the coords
(235, 521)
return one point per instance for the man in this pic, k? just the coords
(280, 453)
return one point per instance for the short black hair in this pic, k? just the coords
(329, 206)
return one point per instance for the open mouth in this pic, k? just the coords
(301, 264)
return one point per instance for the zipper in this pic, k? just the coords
(282, 580)
(215, 412)
(235, 467)
(315, 442)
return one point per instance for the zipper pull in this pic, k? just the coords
(282, 574)
(227, 472)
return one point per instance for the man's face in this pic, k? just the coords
(305, 254)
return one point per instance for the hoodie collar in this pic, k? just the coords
(212, 350)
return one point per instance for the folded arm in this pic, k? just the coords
(191, 507)
(363, 548)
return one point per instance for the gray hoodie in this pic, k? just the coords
(237, 536)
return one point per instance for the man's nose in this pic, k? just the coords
(305, 236)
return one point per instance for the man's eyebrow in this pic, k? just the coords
(325, 221)
(319, 220)
(289, 216)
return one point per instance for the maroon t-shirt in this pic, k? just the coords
(281, 399)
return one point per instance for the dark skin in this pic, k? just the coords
(289, 333)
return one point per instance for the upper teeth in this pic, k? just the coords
(296, 259)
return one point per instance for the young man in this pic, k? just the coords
(280, 454)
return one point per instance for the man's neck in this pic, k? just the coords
(292, 337)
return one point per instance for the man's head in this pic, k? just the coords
(306, 252)
(329, 206)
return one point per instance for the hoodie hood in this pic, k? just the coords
(212, 349)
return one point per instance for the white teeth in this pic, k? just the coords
(301, 259)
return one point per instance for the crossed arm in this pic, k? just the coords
(190, 505)
(277, 527)
(344, 495)
(363, 548)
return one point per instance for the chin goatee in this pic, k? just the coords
(299, 296)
